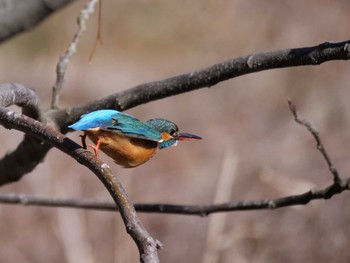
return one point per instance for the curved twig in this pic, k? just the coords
(317, 138)
(17, 94)
(30, 150)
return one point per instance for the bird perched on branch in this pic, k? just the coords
(127, 140)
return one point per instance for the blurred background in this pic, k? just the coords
(251, 148)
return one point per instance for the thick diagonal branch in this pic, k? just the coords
(145, 243)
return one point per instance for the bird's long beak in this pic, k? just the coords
(182, 136)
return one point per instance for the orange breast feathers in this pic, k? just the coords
(125, 151)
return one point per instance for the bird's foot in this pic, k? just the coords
(96, 147)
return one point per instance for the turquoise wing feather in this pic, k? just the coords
(130, 126)
(116, 121)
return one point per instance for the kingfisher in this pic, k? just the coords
(127, 140)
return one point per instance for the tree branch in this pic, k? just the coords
(30, 151)
(208, 77)
(199, 79)
(198, 210)
(146, 244)
(17, 94)
(18, 16)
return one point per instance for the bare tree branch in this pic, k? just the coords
(72, 48)
(18, 16)
(17, 94)
(146, 244)
(209, 77)
(182, 209)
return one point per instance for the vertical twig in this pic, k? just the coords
(72, 48)
(98, 39)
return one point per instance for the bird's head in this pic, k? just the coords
(170, 132)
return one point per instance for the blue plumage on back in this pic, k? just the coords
(113, 120)
(96, 119)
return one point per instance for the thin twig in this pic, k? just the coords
(98, 39)
(182, 209)
(63, 61)
(299, 119)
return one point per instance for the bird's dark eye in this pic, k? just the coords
(172, 132)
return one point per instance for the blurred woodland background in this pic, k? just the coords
(249, 135)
